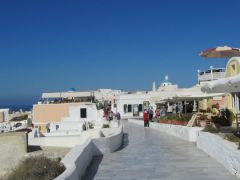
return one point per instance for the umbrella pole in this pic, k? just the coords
(198, 106)
(185, 109)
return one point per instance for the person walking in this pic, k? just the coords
(146, 118)
(157, 113)
(118, 116)
(110, 115)
(150, 113)
(48, 127)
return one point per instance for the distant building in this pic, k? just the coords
(4, 115)
(72, 107)
(133, 105)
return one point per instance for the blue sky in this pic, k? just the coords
(52, 45)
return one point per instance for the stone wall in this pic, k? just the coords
(13, 148)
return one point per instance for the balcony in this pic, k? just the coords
(210, 75)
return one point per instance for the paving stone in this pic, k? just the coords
(151, 155)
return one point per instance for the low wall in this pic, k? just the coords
(13, 147)
(79, 158)
(223, 151)
(110, 143)
(187, 133)
(64, 141)
(70, 140)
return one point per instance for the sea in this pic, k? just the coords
(17, 107)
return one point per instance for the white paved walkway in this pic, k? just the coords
(149, 154)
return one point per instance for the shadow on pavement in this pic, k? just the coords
(125, 142)
(96, 161)
(93, 168)
(33, 148)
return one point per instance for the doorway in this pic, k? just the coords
(135, 110)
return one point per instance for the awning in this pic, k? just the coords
(224, 85)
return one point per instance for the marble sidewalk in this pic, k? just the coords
(150, 155)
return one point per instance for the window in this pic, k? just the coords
(83, 113)
(140, 107)
(129, 108)
(233, 70)
(218, 70)
(125, 108)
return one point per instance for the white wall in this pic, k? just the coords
(186, 133)
(60, 139)
(66, 126)
(223, 151)
(79, 158)
(63, 140)
(130, 99)
(74, 113)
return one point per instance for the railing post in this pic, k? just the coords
(211, 69)
(198, 71)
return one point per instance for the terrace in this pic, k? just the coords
(211, 74)
(66, 97)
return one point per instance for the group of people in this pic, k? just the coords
(160, 111)
(147, 116)
(109, 115)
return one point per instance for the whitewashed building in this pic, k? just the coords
(131, 105)
(79, 115)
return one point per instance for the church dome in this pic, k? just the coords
(166, 82)
(71, 90)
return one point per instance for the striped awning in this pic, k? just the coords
(221, 52)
